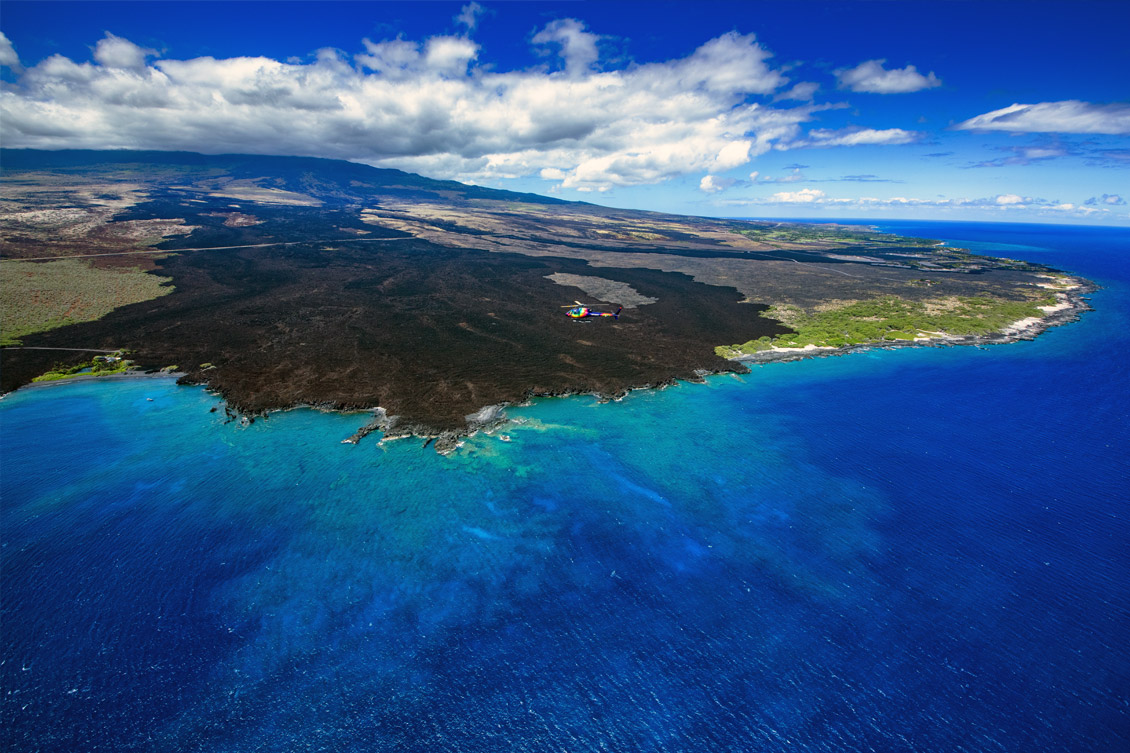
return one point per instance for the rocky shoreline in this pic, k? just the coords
(489, 419)
(1071, 306)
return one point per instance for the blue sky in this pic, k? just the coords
(1011, 111)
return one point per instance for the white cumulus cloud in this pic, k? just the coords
(714, 184)
(8, 54)
(802, 92)
(708, 185)
(401, 59)
(803, 196)
(469, 16)
(425, 106)
(870, 77)
(115, 52)
(1069, 116)
(450, 55)
(578, 47)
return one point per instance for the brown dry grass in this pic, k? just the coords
(38, 296)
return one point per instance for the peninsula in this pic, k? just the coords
(284, 281)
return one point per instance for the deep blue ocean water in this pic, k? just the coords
(907, 550)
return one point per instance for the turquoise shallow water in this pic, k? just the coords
(904, 550)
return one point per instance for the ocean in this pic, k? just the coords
(920, 549)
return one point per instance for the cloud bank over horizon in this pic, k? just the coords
(1001, 204)
(424, 107)
(685, 117)
(430, 107)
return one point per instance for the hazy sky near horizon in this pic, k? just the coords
(1010, 111)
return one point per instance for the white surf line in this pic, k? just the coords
(209, 248)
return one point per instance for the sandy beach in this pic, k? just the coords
(106, 378)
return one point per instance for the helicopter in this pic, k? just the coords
(583, 311)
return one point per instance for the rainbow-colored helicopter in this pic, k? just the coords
(584, 311)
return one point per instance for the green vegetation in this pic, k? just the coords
(11, 335)
(801, 233)
(39, 296)
(98, 366)
(888, 319)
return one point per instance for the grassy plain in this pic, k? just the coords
(889, 318)
(39, 296)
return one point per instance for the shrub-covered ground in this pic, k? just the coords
(38, 296)
(102, 366)
(889, 318)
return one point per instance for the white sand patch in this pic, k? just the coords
(1061, 306)
(806, 349)
(1021, 326)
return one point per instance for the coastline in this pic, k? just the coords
(129, 374)
(1070, 305)
(488, 419)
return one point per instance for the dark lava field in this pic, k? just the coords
(429, 333)
(305, 281)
